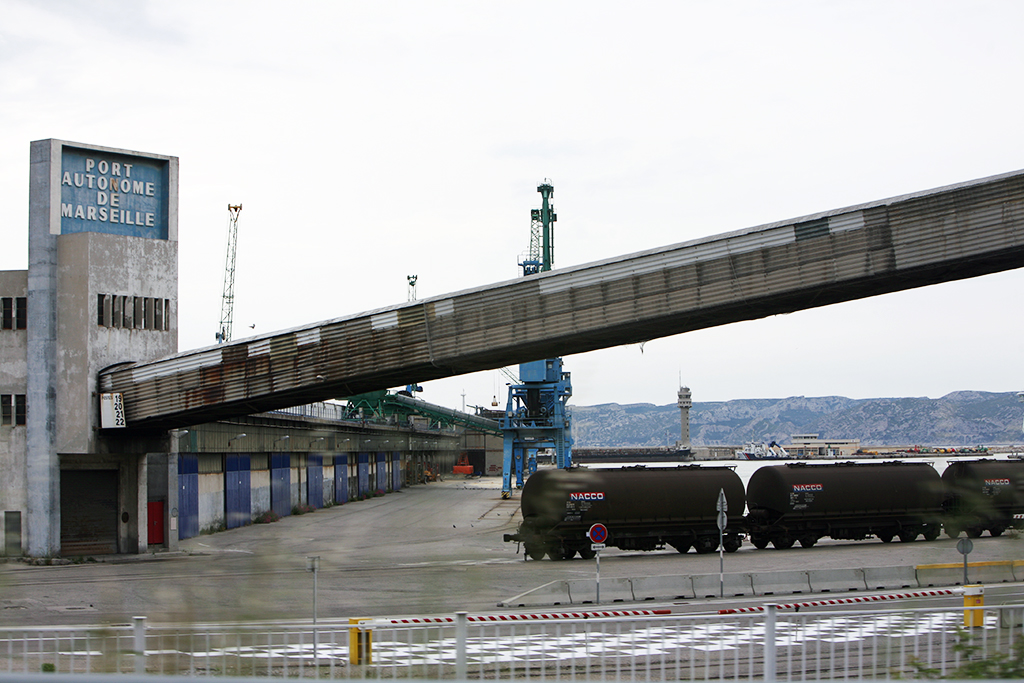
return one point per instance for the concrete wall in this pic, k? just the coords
(259, 481)
(94, 264)
(297, 492)
(13, 381)
(493, 447)
(714, 452)
(211, 500)
(328, 485)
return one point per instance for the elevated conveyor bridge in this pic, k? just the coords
(955, 232)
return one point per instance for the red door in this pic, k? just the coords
(156, 522)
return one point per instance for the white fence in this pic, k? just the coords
(773, 644)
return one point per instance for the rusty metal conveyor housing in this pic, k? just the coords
(950, 233)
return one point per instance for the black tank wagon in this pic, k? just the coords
(801, 502)
(983, 495)
(643, 508)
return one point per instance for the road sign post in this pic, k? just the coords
(964, 546)
(723, 520)
(598, 534)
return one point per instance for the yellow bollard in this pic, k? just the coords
(974, 597)
(360, 643)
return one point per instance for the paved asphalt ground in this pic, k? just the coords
(430, 549)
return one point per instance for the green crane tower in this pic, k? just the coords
(542, 233)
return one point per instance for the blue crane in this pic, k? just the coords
(536, 416)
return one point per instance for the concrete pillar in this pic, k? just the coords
(42, 465)
(141, 505)
(171, 509)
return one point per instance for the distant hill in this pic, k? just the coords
(962, 418)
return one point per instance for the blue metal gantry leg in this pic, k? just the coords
(536, 417)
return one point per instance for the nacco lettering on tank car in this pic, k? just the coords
(649, 508)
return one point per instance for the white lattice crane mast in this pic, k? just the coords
(227, 305)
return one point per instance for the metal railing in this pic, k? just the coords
(769, 645)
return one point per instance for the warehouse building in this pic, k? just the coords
(101, 289)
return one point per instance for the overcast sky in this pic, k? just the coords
(368, 141)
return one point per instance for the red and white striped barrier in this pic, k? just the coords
(480, 618)
(849, 601)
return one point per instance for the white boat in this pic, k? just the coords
(762, 451)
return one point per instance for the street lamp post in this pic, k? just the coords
(313, 565)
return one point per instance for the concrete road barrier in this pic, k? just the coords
(584, 591)
(886, 578)
(990, 572)
(731, 585)
(940, 575)
(836, 580)
(699, 586)
(662, 587)
(1011, 618)
(952, 574)
(780, 583)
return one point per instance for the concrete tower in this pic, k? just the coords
(101, 289)
(684, 401)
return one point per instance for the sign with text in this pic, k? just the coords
(112, 411)
(118, 194)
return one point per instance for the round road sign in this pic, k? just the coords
(964, 546)
(598, 533)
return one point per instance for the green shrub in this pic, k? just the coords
(976, 663)
(267, 517)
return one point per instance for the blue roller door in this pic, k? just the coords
(363, 474)
(396, 471)
(315, 481)
(341, 478)
(237, 491)
(188, 496)
(280, 484)
(382, 472)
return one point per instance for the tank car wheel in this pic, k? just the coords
(931, 532)
(997, 530)
(759, 542)
(908, 535)
(706, 544)
(783, 542)
(682, 546)
(587, 553)
(732, 543)
(975, 531)
(952, 530)
(885, 536)
(808, 541)
(535, 552)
